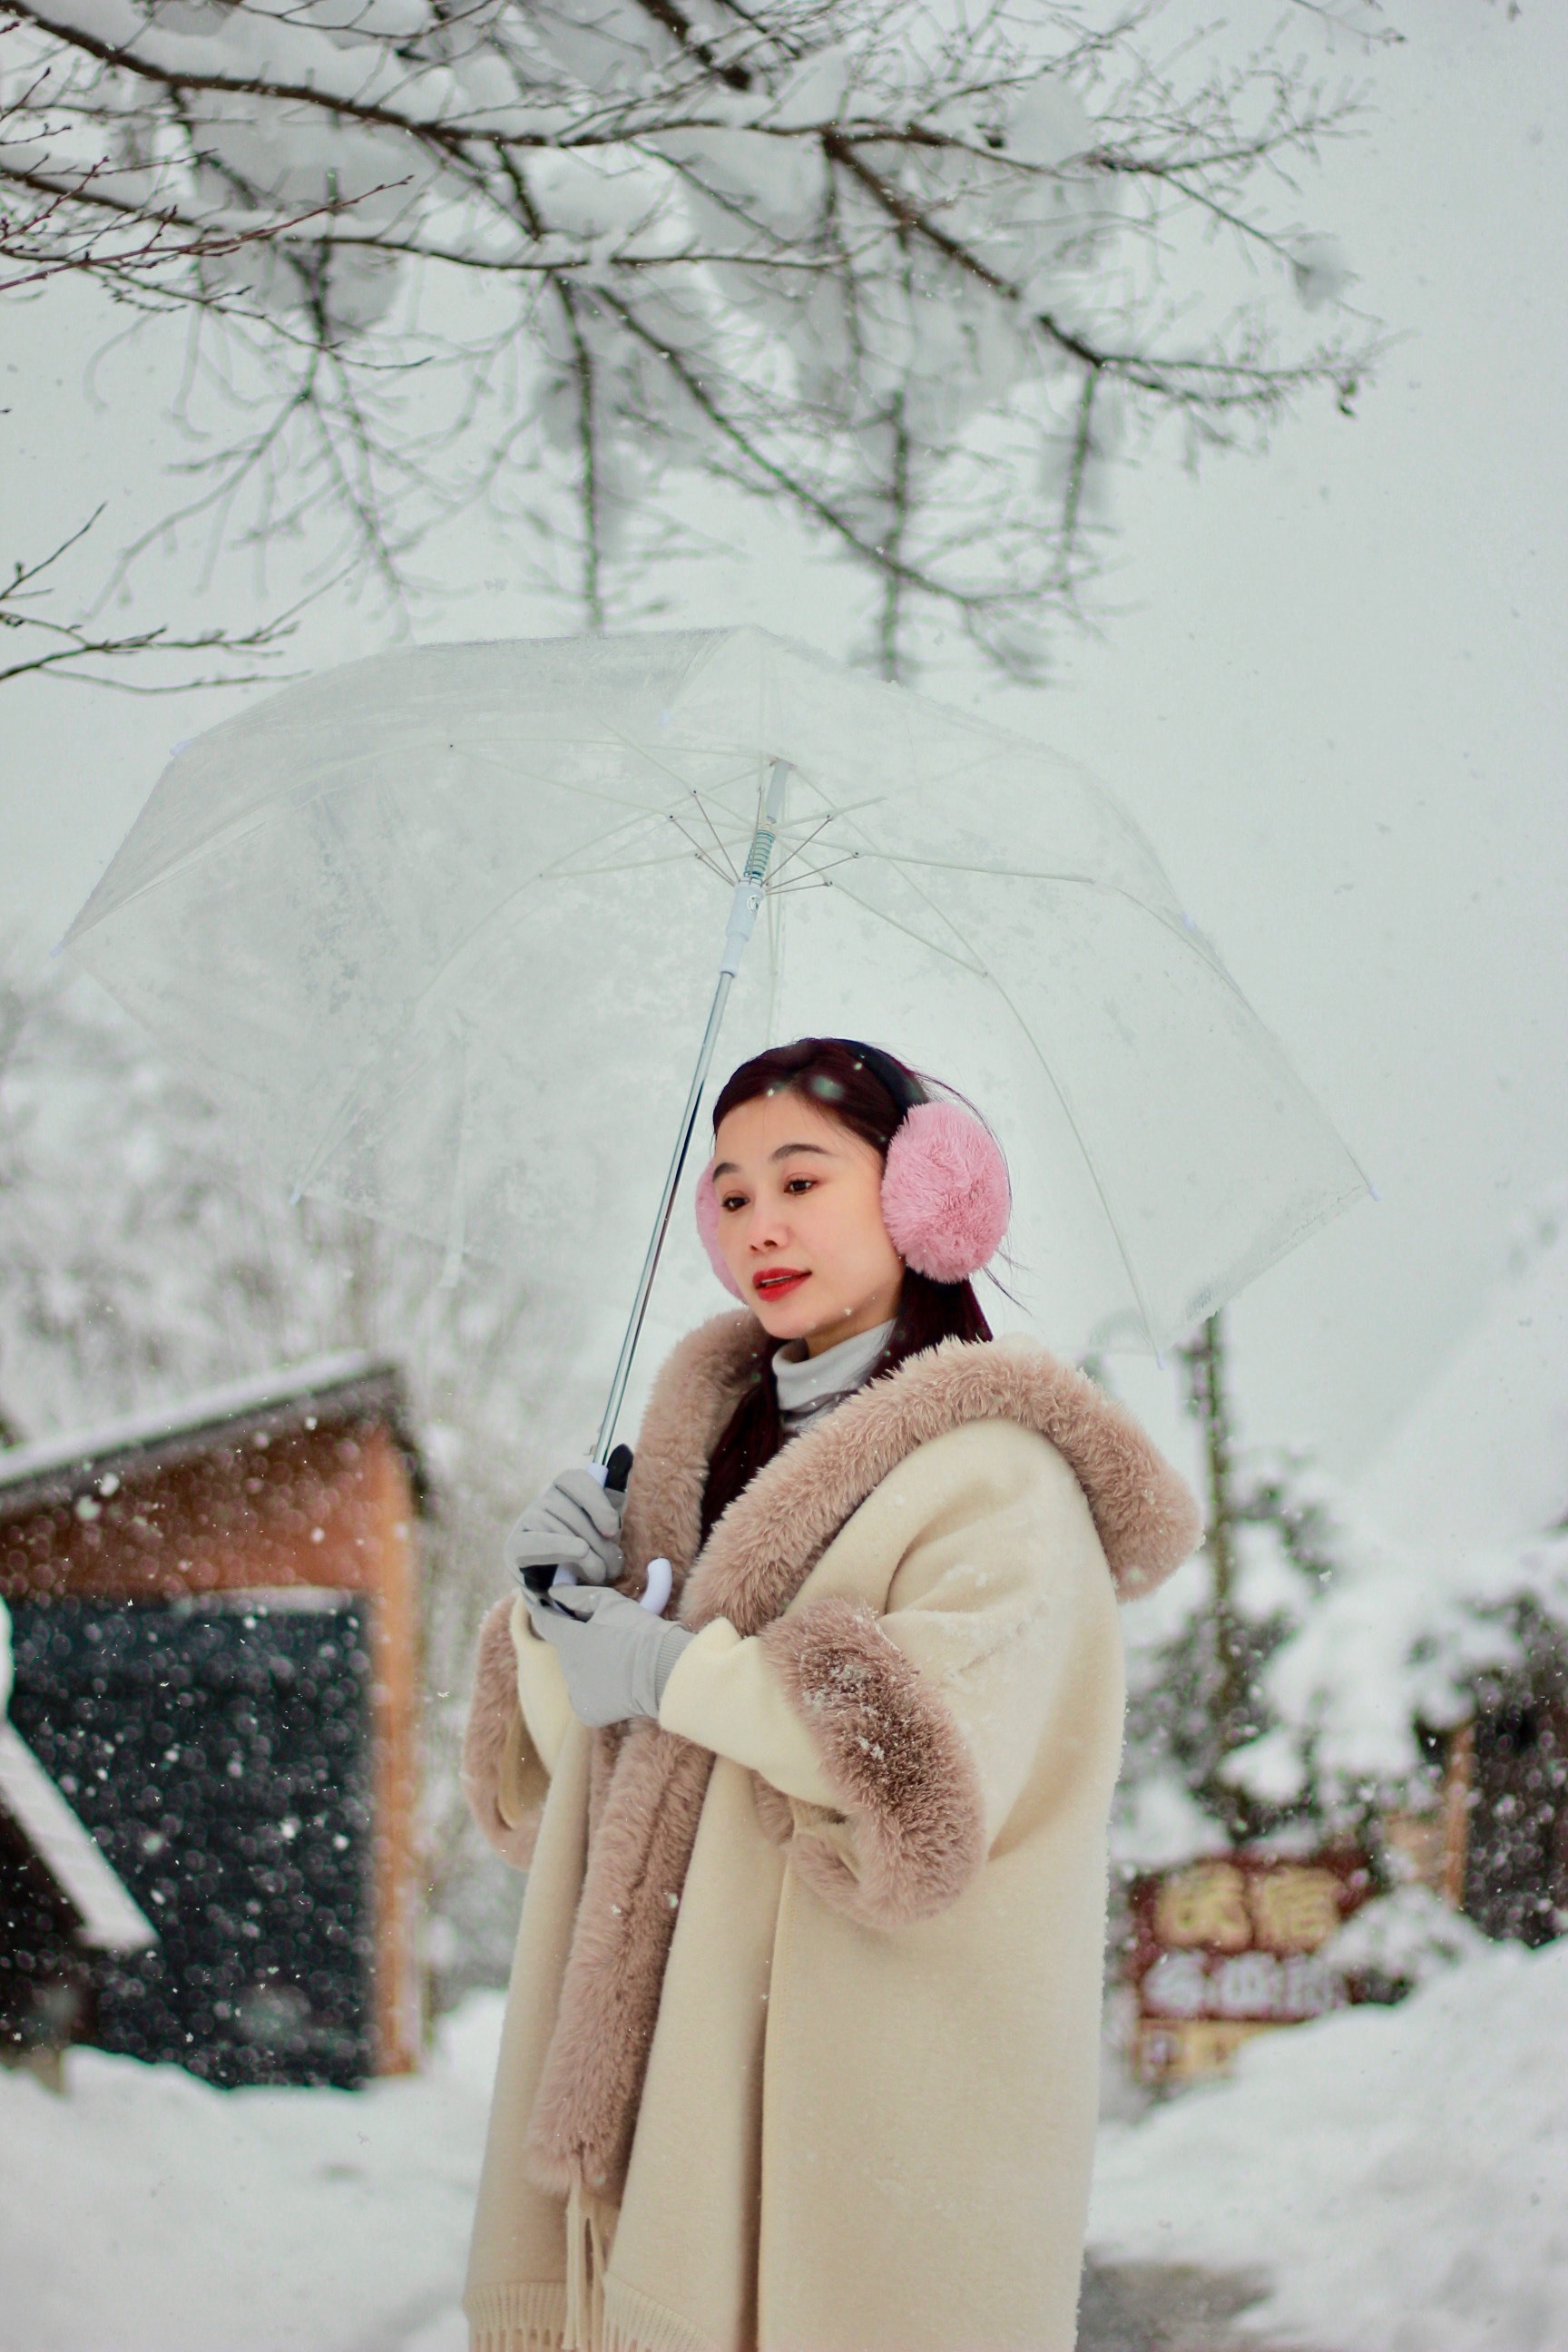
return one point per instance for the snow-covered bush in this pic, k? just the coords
(1403, 1939)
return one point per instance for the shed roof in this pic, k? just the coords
(111, 1921)
(326, 1390)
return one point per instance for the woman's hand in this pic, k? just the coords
(575, 1524)
(616, 1658)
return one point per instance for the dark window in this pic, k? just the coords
(221, 1758)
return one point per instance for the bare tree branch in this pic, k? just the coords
(880, 268)
(63, 649)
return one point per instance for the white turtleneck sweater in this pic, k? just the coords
(809, 1386)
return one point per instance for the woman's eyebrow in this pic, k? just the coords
(729, 1168)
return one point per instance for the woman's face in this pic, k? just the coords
(800, 1222)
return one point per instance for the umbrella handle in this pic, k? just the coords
(613, 1475)
(745, 906)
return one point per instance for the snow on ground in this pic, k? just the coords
(1397, 2173)
(146, 2213)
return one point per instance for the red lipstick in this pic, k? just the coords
(775, 1280)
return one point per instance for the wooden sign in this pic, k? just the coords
(1230, 1947)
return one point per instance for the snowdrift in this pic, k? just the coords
(148, 2212)
(1397, 2173)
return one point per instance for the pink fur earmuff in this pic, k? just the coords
(708, 1231)
(946, 1196)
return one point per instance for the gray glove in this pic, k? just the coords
(617, 1657)
(574, 1524)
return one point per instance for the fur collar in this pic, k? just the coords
(760, 1552)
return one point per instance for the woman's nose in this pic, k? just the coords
(769, 1228)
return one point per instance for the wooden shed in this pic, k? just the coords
(215, 1628)
(60, 1905)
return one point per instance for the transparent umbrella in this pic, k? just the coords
(441, 928)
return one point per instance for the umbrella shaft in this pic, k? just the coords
(743, 909)
(661, 1221)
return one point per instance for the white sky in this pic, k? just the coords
(1327, 690)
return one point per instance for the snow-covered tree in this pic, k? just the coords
(1327, 1677)
(912, 273)
(1216, 1755)
(1238, 1710)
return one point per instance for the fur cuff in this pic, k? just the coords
(495, 1718)
(895, 1759)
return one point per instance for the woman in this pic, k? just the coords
(800, 2052)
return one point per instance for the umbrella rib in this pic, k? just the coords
(703, 856)
(349, 1105)
(1033, 874)
(801, 846)
(711, 866)
(1111, 1219)
(816, 876)
(1059, 1091)
(1186, 937)
(908, 931)
(560, 867)
(662, 767)
(340, 1124)
(631, 866)
(732, 876)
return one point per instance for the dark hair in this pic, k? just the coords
(869, 1090)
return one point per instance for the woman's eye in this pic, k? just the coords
(800, 1185)
(732, 1200)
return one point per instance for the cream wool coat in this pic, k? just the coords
(859, 2038)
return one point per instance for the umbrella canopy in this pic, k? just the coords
(441, 928)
